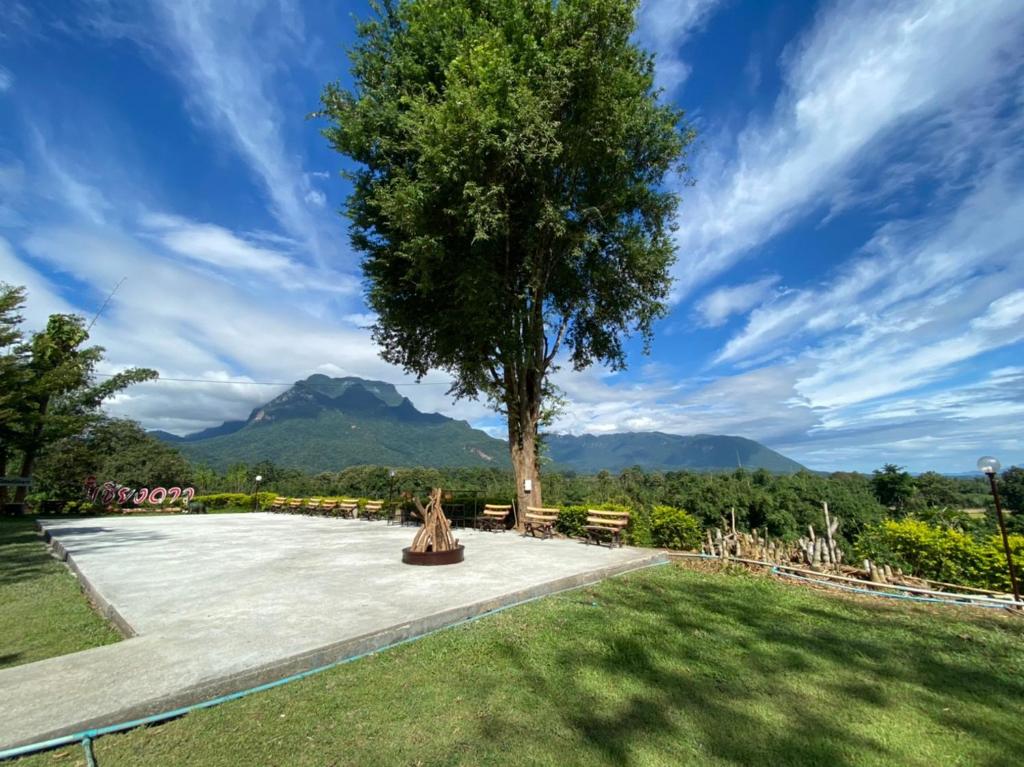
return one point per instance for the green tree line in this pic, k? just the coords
(49, 390)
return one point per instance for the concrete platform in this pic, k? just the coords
(219, 603)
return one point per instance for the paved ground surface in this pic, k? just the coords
(222, 602)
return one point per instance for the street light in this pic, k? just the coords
(256, 497)
(391, 493)
(990, 466)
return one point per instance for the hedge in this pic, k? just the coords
(940, 553)
(235, 500)
(674, 528)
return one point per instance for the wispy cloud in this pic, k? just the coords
(228, 52)
(664, 27)
(862, 71)
(229, 58)
(6, 79)
(725, 302)
(214, 244)
(915, 285)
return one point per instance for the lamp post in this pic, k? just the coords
(391, 493)
(990, 466)
(256, 497)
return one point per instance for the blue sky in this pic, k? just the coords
(850, 277)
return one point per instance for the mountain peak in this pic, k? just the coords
(335, 387)
(323, 423)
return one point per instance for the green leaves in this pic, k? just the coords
(49, 391)
(512, 159)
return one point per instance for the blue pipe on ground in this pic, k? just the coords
(87, 736)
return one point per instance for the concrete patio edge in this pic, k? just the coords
(321, 657)
(102, 605)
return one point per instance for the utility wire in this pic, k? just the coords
(260, 383)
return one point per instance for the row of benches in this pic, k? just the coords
(537, 522)
(540, 521)
(329, 507)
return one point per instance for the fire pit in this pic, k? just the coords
(450, 557)
(434, 543)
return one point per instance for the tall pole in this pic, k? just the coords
(1006, 541)
(391, 493)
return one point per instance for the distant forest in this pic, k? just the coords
(782, 505)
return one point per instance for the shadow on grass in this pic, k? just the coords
(22, 554)
(773, 681)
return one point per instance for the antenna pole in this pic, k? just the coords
(105, 303)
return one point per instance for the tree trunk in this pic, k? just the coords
(3, 473)
(522, 441)
(28, 463)
(28, 460)
(524, 463)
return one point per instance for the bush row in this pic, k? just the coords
(662, 526)
(940, 554)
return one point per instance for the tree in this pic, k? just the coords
(937, 491)
(893, 486)
(509, 195)
(115, 450)
(12, 373)
(59, 397)
(1012, 489)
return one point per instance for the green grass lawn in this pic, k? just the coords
(668, 666)
(42, 609)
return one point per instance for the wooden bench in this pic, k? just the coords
(606, 524)
(373, 509)
(312, 506)
(278, 504)
(348, 508)
(294, 505)
(540, 520)
(328, 508)
(494, 517)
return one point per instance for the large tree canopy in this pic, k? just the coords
(509, 198)
(50, 387)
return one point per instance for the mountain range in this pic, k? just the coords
(326, 424)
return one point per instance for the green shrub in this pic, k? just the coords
(224, 500)
(927, 551)
(993, 561)
(571, 520)
(674, 528)
(638, 531)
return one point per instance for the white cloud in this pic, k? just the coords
(213, 244)
(863, 70)
(6, 79)
(664, 27)
(722, 303)
(361, 319)
(316, 198)
(228, 55)
(915, 303)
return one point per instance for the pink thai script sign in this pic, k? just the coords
(111, 493)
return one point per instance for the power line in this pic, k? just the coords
(259, 383)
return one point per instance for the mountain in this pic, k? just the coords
(657, 451)
(325, 424)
